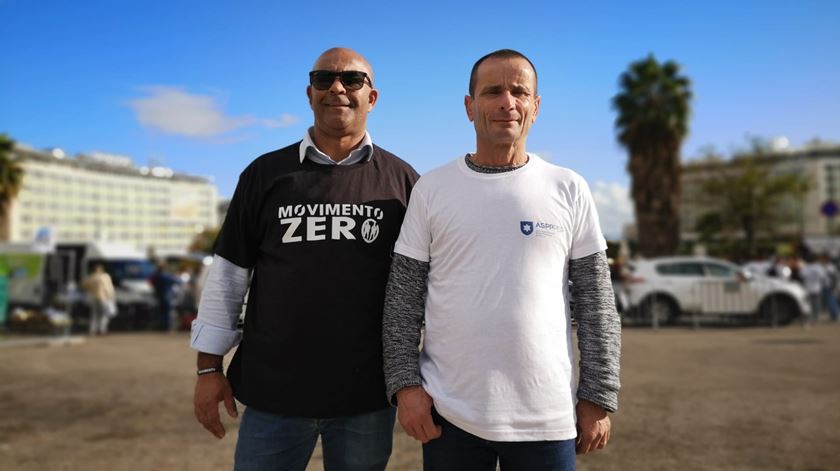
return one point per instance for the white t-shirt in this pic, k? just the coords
(814, 277)
(497, 357)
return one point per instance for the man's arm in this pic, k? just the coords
(214, 333)
(599, 342)
(405, 304)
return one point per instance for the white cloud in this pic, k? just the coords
(284, 121)
(173, 110)
(615, 208)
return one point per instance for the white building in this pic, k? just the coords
(103, 197)
(819, 165)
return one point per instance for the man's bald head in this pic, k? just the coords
(341, 109)
(342, 58)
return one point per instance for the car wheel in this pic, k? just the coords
(660, 308)
(778, 310)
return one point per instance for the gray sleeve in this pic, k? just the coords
(405, 306)
(599, 330)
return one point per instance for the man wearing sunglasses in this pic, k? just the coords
(309, 235)
(485, 254)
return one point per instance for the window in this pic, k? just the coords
(680, 269)
(721, 271)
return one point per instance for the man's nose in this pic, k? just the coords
(337, 87)
(507, 101)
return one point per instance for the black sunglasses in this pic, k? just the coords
(351, 79)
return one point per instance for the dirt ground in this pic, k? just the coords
(710, 399)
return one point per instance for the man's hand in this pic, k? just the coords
(414, 410)
(593, 426)
(210, 390)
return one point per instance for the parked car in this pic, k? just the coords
(671, 287)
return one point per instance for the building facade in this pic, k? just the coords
(804, 217)
(103, 197)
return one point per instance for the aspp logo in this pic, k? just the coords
(539, 229)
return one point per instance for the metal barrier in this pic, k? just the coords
(721, 301)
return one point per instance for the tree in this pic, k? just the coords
(747, 199)
(203, 241)
(653, 114)
(11, 179)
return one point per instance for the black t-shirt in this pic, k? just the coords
(319, 239)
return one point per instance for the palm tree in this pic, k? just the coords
(653, 113)
(11, 178)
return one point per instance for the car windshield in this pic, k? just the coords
(680, 269)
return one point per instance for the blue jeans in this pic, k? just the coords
(831, 303)
(458, 450)
(270, 442)
(165, 314)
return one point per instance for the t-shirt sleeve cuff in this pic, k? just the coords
(586, 250)
(403, 249)
(208, 338)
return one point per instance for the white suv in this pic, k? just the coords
(669, 287)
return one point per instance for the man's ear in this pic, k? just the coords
(372, 97)
(468, 100)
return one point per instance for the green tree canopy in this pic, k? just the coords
(203, 242)
(746, 198)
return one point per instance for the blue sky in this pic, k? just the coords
(204, 87)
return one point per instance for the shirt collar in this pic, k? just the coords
(308, 142)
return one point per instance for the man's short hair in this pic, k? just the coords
(500, 54)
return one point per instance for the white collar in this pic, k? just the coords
(308, 142)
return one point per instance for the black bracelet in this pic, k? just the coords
(212, 369)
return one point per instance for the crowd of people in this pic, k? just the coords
(818, 275)
(176, 292)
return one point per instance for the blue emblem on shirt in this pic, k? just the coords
(527, 227)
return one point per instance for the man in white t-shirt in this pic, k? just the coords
(483, 260)
(815, 278)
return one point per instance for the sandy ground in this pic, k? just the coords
(711, 399)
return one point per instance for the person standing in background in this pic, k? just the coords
(101, 299)
(830, 287)
(164, 284)
(814, 279)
